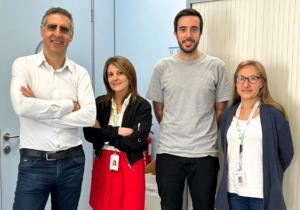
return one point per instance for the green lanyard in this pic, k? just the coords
(241, 132)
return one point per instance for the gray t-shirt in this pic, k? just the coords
(189, 91)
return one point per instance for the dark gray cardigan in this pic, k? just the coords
(277, 155)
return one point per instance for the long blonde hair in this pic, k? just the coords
(264, 93)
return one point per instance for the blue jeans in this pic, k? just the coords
(37, 178)
(237, 202)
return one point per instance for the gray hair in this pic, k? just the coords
(58, 10)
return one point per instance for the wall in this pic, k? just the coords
(144, 31)
(19, 35)
(266, 30)
(104, 39)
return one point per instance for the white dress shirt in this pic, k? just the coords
(47, 121)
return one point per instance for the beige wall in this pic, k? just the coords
(268, 31)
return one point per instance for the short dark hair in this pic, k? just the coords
(188, 12)
(58, 10)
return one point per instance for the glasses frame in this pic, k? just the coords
(62, 29)
(242, 79)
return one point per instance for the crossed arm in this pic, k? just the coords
(27, 92)
(122, 131)
(61, 113)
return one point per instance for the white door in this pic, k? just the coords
(19, 36)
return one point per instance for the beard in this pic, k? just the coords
(189, 50)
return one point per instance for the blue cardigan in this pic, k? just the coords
(277, 155)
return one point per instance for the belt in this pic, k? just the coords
(58, 155)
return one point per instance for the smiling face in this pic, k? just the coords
(57, 34)
(247, 87)
(117, 80)
(188, 33)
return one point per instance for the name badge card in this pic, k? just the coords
(239, 178)
(114, 162)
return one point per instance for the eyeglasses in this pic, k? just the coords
(63, 29)
(252, 79)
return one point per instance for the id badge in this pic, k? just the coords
(239, 178)
(114, 162)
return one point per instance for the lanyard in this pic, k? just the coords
(241, 132)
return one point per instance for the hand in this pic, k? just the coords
(97, 124)
(76, 106)
(122, 131)
(27, 92)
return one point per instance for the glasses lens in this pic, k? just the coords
(64, 29)
(51, 27)
(252, 79)
(240, 79)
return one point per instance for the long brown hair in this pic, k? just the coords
(127, 68)
(264, 93)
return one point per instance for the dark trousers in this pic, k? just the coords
(201, 174)
(38, 177)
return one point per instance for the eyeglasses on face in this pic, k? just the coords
(252, 79)
(53, 27)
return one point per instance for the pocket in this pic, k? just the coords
(27, 162)
(80, 159)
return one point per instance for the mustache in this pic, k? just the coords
(188, 40)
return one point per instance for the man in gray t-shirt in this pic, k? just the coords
(189, 92)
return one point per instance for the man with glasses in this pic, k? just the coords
(189, 92)
(53, 97)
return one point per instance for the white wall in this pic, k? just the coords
(268, 31)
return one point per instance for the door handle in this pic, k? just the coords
(7, 136)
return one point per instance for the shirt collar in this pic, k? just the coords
(124, 105)
(127, 99)
(41, 60)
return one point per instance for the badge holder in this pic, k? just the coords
(239, 178)
(114, 162)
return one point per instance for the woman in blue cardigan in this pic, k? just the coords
(119, 138)
(257, 145)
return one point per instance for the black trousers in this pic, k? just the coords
(201, 174)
